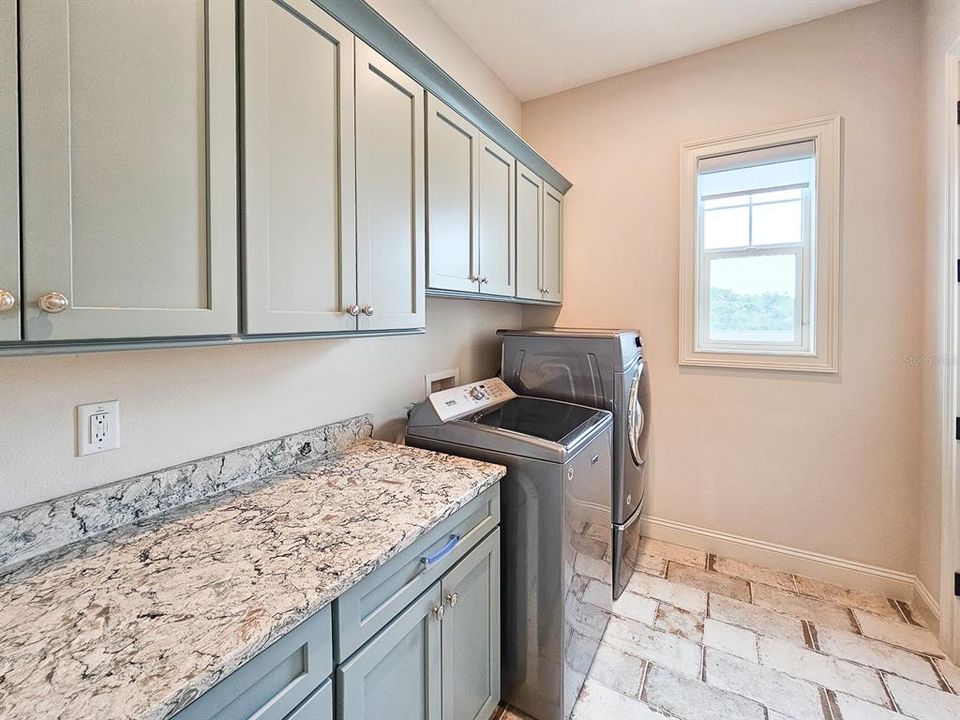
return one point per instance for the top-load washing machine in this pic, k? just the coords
(603, 369)
(557, 455)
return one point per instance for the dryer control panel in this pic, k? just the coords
(459, 402)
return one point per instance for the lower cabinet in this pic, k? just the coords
(440, 658)
(417, 639)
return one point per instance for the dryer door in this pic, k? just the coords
(636, 424)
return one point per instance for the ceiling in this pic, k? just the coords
(540, 47)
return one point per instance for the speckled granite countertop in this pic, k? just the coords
(139, 621)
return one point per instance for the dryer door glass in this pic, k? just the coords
(637, 419)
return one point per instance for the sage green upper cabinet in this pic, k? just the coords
(129, 170)
(390, 195)
(9, 176)
(529, 233)
(539, 238)
(452, 144)
(470, 207)
(552, 245)
(495, 226)
(300, 260)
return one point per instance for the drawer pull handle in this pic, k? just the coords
(595, 459)
(440, 554)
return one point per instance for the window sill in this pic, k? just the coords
(757, 361)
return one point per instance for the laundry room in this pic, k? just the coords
(479, 359)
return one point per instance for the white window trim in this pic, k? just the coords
(823, 357)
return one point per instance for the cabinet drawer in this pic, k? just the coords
(318, 706)
(273, 683)
(370, 604)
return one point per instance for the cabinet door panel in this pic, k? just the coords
(552, 244)
(9, 172)
(299, 234)
(451, 205)
(471, 633)
(529, 233)
(390, 195)
(129, 167)
(397, 673)
(496, 224)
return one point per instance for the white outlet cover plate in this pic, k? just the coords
(98, 427)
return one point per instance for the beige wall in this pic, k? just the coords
(177, 405)
(430, 33)
(830, 464)
(940, 33)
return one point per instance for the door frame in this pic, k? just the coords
(950, 379)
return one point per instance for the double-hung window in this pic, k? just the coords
(760, 250)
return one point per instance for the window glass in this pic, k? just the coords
(726, 227)
(777, 223)
(753, 299)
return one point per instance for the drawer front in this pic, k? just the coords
(275, 682)
(368, 606)
(318, 706)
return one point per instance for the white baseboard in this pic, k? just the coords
(847, 573)
(926, 605)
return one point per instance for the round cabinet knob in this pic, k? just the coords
(438, 611)
(474, 278)
(53, 302)
(367, 310)
(353, 310)
(453, 599)
(483, 281)
(7, 300)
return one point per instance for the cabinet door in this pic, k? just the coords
(299, 234)
(471, 634)
(9, 176)
(129, 171)
(390, 195)
(452, 256)
(397, 673)
(529, 233)
(496, 224)
(552, 245)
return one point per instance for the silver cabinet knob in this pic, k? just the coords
(353, 310)
(483, 281)
(7, 300)
(438, 612)
(367, 310)
(452, 599)
(474, 278)
(53, 302)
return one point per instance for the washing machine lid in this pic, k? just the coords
(528, 427)
(560, 422)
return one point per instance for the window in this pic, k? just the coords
(760, 250)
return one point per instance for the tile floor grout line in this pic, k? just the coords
(833, 705)
(944, 685)
(883, 681)
(900, 613)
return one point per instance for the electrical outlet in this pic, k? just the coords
(98, 427)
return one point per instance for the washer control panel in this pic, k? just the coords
(459, 402)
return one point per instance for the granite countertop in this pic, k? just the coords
(139, 621)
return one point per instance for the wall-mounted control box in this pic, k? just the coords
(98, 427)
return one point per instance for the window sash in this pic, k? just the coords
(805, 289)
